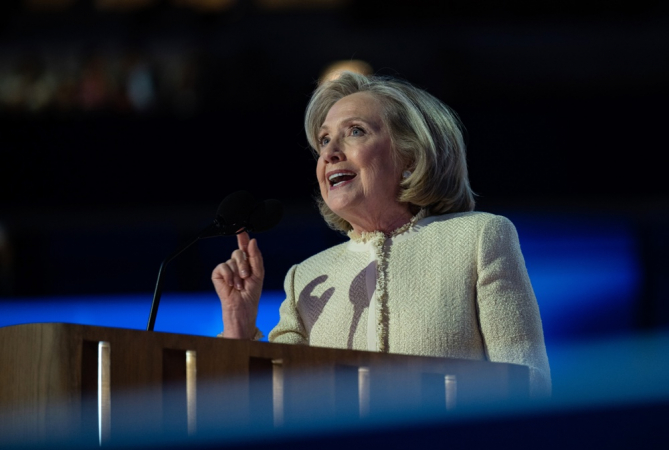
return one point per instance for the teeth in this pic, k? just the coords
(334, 176)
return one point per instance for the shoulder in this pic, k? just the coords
(473, 222)
(474, 230)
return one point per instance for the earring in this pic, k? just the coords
(406, 174)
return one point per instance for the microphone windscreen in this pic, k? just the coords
(266, 215)
(236, 208)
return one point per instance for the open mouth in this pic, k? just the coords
(338, 178)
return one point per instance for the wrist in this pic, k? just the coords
(237, 325)
(230, 334)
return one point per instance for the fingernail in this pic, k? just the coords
(244, 273)
(239, 286)
(245, 256)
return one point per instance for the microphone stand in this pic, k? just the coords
(211, 231)
(259, 217)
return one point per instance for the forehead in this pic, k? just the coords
(363, 105)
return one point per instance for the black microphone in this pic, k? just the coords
(235, 208)
(265, 215)
(238, 212)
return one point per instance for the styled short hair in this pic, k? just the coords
(426, 136)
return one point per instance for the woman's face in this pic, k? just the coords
(356, 171)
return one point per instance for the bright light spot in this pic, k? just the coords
(334, 70)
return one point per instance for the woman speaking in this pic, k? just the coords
(421, 274)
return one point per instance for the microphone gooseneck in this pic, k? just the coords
(238, 212)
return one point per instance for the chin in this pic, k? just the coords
(342, 202)
(335, 206)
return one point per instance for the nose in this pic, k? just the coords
(332, 153)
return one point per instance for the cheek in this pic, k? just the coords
(382, 173)
(381, 164)
(320, 170)
(320, 177)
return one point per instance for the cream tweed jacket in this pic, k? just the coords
(449, 286)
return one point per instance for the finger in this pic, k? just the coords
(255, 259)
(223, 272)
(241, 259)
(243, 241)
(236, 279)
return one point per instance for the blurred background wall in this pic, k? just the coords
(123, 123)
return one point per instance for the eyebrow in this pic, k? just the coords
(348, 119)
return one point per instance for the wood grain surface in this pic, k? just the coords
(48, 382)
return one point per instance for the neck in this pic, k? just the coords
(385, 224)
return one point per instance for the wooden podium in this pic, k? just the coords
(63, 381)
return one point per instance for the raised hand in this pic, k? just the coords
(238, 283)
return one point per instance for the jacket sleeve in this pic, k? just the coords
(290, 329)
(508, 311)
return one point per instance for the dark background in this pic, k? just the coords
(564, 105)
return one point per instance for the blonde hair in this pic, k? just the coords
(426, 136)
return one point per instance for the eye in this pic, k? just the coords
(323, 141)
(357, 131)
